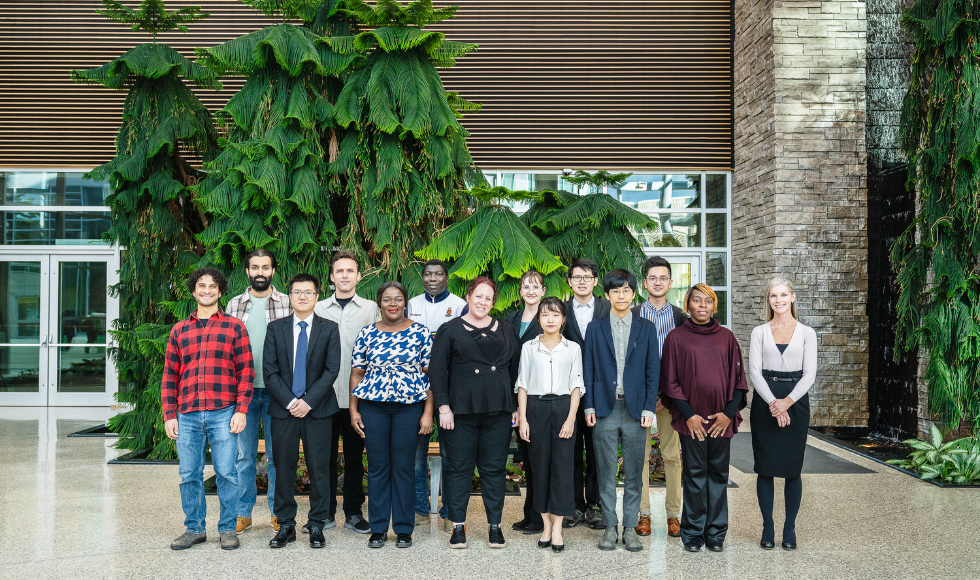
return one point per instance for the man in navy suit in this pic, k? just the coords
(621, 368)
(301, 361)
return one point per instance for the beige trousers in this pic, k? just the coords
(670, 450)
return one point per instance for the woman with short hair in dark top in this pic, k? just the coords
(782, 366)
(472, 373)
(525, 322)
(391, 409)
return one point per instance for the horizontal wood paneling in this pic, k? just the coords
(637, 85)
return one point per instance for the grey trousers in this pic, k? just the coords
(619, 428)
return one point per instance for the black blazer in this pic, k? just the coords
(322, 366)
(571, 325)
(463, 378)
(532, 332)
(679, 316)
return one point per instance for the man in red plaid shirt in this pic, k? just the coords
(207, 385)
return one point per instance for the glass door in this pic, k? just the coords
(24, 284)
(685, 271)
(54, 313)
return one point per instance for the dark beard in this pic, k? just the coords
(259, 283)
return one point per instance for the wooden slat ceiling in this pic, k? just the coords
(637, 85)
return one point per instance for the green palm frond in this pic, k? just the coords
(599, 180)
(391, 13)
(286, 9)
(153, 61)
(593, 210)
(152, 16)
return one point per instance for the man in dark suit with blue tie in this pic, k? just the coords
(301, 361)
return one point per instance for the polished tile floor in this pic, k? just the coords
(66, 514)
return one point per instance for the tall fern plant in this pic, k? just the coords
(494, 242)
(596, 225)
(936, 258)
(269, 188)
(153, 219)
(405, 156)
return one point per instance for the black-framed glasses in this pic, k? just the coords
(661, 279)
(582, 278)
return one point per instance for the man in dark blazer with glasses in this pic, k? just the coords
(582, 308)
(301, 361)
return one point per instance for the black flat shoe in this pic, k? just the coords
(285, 535)
(377, 540)
(692, 547)
(532, 529)
(316, 537)
(716, 547)
(458, 539)
(544, 544)
(403, 541)
(519, 526)
(789, 545)
(496, 536)
(767, 545)
(557, 547)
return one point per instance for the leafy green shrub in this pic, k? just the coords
(956, 462)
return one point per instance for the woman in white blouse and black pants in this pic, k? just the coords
(782, 366)
(549, 385)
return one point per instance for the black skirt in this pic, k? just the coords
(778, 451)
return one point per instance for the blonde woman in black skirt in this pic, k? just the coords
(782, 366)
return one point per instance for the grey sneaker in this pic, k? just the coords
(630, 540)
(609, 539)
(575, 519)
(358, 524)
(593, 516)
(186, 540)
(229, 541)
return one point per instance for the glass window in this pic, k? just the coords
(51, 228)
(43, 188)
(672, 230)
(716, 230)
(722, 315)
(716, 191)
(716, 268)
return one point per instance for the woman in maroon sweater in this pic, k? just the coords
(702, 383)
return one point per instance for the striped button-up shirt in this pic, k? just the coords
(208, 366)
(276, 307)
(662, 318)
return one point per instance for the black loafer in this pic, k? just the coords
(306, 528)
(458, 539)
(496, 536)
(692, 547)
(789, 545)
(285, 535)
(377, 540)
(767, 545)
(532, 529)
(557, 547)
(519, 526)
(403, 541)
(544, 544)
(316, 537)
(716, 547)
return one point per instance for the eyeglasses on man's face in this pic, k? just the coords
(582, 278)
(661, 279)
(302, 293)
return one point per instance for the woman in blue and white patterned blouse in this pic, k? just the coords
(390, 408)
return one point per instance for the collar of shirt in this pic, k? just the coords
(219, 313)
(308, 320)
(332, 301)
(438, 297)
(588, 304)
(625, 321)
(562, 344)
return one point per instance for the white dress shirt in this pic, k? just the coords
(350, 319)
(583, 314)
(550, 372)
(296, 329)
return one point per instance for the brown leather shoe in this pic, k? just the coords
(275, 523)
(674, 527)
(241, 524)
(643, 528)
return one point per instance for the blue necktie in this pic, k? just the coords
(299, 368)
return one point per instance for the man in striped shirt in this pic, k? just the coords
(259, 305)
(207, 385)
(665, 316)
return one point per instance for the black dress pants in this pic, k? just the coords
(353, 466)
(480, 440)
(286, 436)
(551, 455)
(531, 516)
(583, 441)
(704, 519)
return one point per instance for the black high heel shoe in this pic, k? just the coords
(767, 545)
(789, 545)
(557, 547)
(544, 544)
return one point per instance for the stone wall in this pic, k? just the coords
(799, 192)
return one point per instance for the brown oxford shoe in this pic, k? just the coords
(674, 527)
(643, 528)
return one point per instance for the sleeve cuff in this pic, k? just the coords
(590, 411)
(647, 414)
(168, 415)
(291, 403)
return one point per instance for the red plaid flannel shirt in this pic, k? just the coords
(207, 368)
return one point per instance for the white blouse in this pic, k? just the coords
(800, 354)
(554, 372)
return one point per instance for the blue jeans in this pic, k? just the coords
(422, 477)
(248, 447)
(391, 430)
(195, 431)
